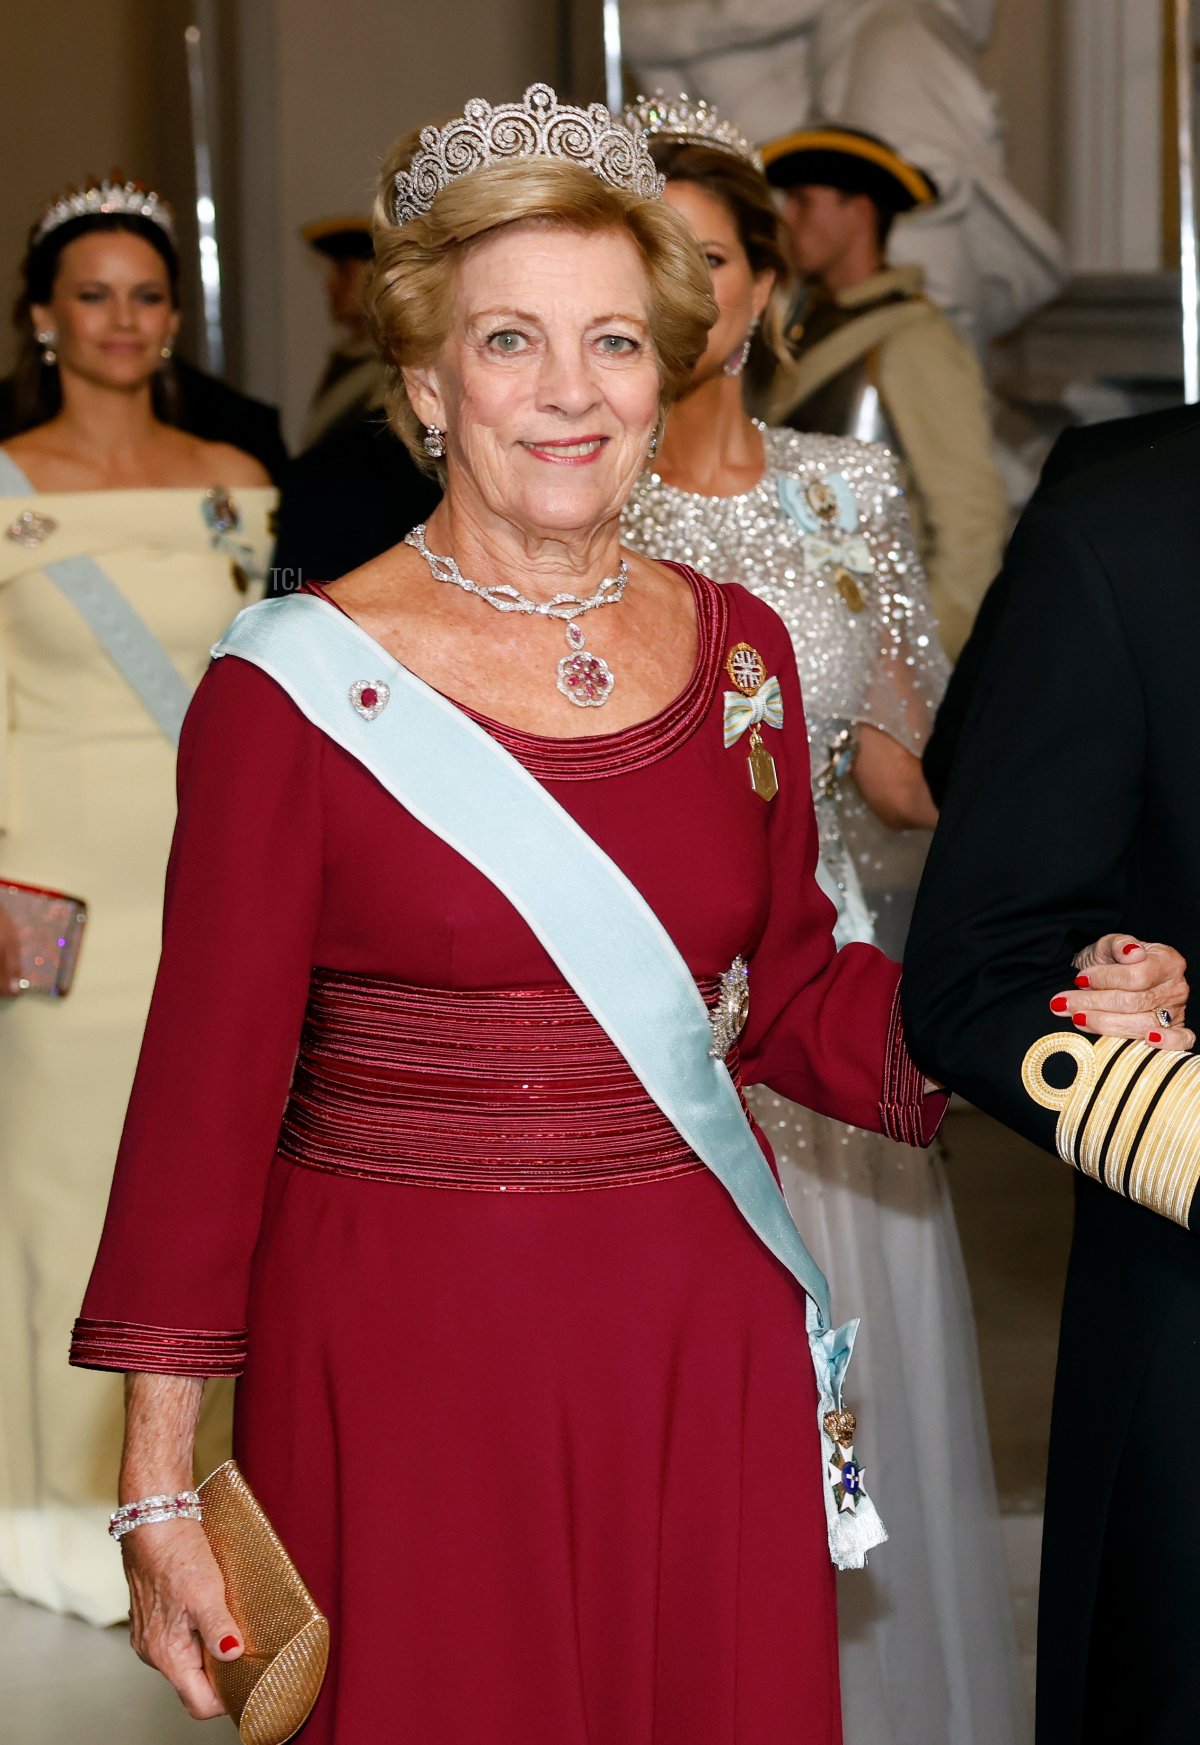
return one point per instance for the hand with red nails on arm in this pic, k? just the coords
(1128, 988)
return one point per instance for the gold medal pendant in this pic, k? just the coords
(764, 778)
(849, 587)
(748, 670)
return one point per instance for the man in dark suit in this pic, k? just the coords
(1071, 809)
(1079, 446)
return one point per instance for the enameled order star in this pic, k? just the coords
(846, 1477)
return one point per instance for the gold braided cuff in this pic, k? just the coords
(1130, 1119)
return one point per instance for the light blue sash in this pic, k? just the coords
(454, 778)
(123, 634)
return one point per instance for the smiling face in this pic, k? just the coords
(547, 387)
(111, 309)
(741, 294)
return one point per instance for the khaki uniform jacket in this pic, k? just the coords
(935, 400)
(354, 382)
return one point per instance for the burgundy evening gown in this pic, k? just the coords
(530, 1405)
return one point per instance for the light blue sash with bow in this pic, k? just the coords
(611, 948)
(121, 631)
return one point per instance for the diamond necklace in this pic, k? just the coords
(583, 677)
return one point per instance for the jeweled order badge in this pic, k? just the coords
(756, 703)
(845, 1472)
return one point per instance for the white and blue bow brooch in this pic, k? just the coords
(756, 703)
(825, 510)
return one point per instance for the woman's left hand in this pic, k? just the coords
(12, 982)
(890, 779)
(1126, 987)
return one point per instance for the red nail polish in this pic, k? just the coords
(1082, 982)
(227, 1644)
(1060, 1003)
(1126, 949)
(1155, 1036)
(1079, 1017)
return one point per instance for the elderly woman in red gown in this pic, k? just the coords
(530, 1404)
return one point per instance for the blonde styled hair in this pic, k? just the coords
(411, 299)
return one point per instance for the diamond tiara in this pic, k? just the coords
(538, 126)
(110, 195)
(690, 123)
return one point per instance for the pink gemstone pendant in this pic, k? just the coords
(370, 697)
(583, 677)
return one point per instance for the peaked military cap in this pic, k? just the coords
(829, 156)
(341, 239)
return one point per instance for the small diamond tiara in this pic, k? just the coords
(110, 195)
(690, 123)
(538, 126)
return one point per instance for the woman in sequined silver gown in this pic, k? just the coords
(817, 526)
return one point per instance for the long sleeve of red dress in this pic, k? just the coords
(243, 895)
(288, 857)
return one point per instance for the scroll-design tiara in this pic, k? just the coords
(132, 199)
(690, 123)
(538, 126)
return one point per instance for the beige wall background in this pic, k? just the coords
(1023, 64)
(73, 94)
(307, 96)
(310, 94)
(349, 76)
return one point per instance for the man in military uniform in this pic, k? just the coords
(874, 358)
(353, 379)
(355, 490)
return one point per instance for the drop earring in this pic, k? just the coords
(48, 341)
(737, 363)
(435, 442)
(166, 353)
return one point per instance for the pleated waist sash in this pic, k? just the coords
(513, 1090)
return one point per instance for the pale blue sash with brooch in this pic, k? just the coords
(123, 634)
(453, 777)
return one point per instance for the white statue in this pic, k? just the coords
(902, 69)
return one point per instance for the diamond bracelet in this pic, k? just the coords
(183, 1506)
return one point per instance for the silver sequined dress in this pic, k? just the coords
(927, 1642)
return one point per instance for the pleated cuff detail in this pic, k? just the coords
(907, 1113)
(132, 1345)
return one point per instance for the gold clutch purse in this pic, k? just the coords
(1130, 1118)
(271, 1689)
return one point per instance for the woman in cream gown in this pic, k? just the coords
(87, 806)
(816, 526)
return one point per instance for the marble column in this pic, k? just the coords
(1113, 174)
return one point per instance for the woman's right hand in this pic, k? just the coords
(10, 957)
(177, 1600)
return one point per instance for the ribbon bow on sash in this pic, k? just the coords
(825, 510)
(766, 705)
(852, 551)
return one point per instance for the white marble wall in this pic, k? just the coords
(1113, 181)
